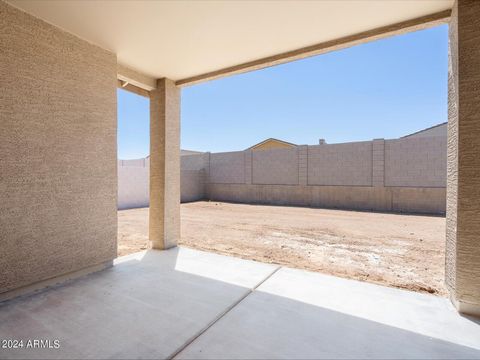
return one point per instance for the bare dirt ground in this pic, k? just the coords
(404, 251)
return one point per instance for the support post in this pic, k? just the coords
(164, 219)
(463, 161)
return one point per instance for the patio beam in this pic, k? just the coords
(125, 85)
(135, 78)
(164, 225)
(324, 47)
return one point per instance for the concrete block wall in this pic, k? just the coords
(134, 180)
(394, 199)
(303, 165)
(348, 164)
(195, 161)
(133, 183)
(227, 168)
(275, 166)
(143, 162)
(192, 185)
(416, 162)
(248, 166)
(378, 163)
(404, 175)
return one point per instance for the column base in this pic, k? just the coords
(155, 245)
(466, 308)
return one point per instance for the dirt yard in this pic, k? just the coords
(404, 251)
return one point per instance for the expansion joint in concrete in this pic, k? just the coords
(220, 316)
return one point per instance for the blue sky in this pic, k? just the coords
(383, 89)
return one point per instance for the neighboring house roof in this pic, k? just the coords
(272, 140)
(427, 130)
(190, 152)
(185, 152)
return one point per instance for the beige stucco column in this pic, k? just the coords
(463, 178)
(164, 226)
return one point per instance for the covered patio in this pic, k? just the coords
(60, 66)
(185, 304)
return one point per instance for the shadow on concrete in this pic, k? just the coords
(266, 326)
(153, 303)
(147, 306)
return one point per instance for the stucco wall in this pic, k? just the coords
(418, 162)
(348, 164)
(463, 209)
(452, 155)
(58, 169)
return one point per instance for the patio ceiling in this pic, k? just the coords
(187, 40)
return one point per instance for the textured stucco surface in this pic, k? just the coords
(58, 169)
(452, 155)
(463, 214)
(164, 215)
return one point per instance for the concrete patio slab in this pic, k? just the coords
(149, 305)
(299, 314)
